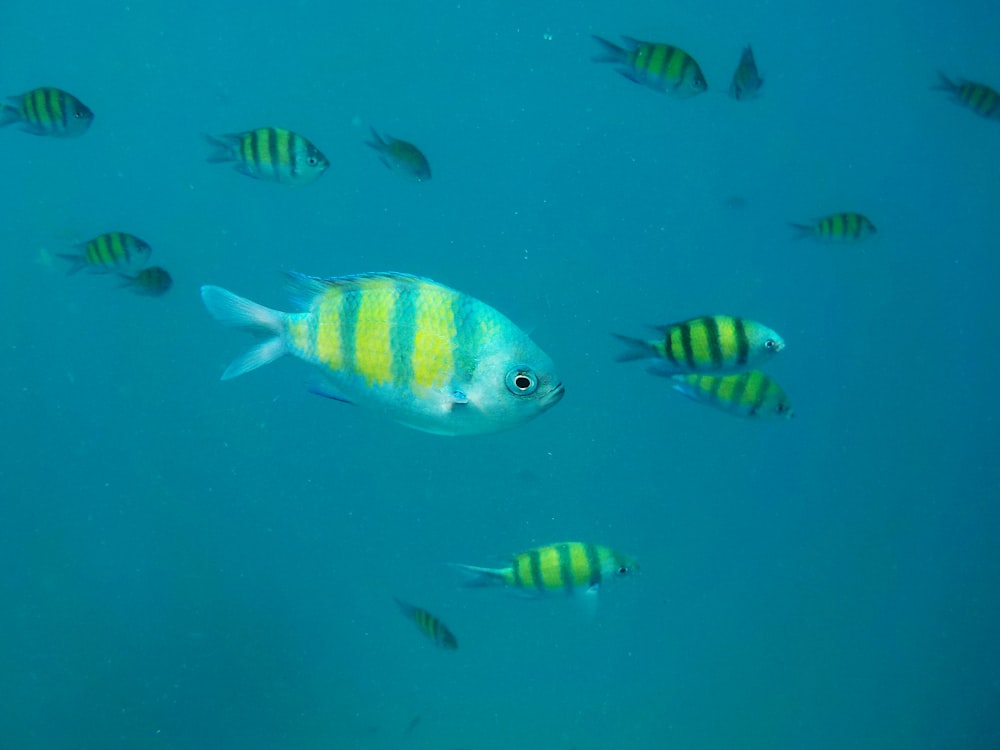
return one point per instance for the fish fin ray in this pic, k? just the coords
(481, 577)
(232, 310)
(638, 349)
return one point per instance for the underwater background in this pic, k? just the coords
(187, 563)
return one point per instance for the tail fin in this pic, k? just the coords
(77, 260)
(223, 149)
(637, 349)
(9, 115)
(803, 231)
(482, 577)
(612, 52)
(232, 310)
(379, 144)
(946, 84)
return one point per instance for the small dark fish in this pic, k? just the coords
(412, 725)
(746, 80)
(430, 626)
(47, 111)
(978, 97)
(401, 156)
(151, 282)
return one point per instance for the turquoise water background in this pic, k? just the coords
(187, 564)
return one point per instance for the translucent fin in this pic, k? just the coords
(612, 52)
(481, 577)
(223, 148)
(379, 143)
(324, 389)
(232, 310)
(802, 231)
(77, 260)
(8, 114)
(637, 349)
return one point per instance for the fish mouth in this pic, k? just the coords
(554, 396)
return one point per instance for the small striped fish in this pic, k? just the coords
(149, 282)
(47, 111)
(429, 625)
(271, 154)
(846, 227)
(401, 156)
(978, 97)
(661, 67)
(113, 252)
(414, 350)
(709, 344)
(746, 81)
(743, 394)
(562, 568)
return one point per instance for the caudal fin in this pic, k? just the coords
(637, 349)
(481, 577)
(803, 231)
(232, 310)
(612, 52)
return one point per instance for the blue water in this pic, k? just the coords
(188, 564)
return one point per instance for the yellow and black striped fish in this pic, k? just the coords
(661, 67)
(149, 282)
(414, 350)
(562, 568)
(429, 625)
(746, 81)
(401, 156)
(112, 252)
(271, 154)
(845, 228)
(743, 394)
(47, 111)
(978, 97)
(710, 344)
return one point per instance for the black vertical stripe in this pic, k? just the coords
(742, 341)
(686, 343)
(668, 344)
(535, 559)
(58, 102)
(763, 388)
(742, 381)
(565, 567)
(272, 143)
(714, 344)
(594, 560)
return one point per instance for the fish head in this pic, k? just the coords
(696, 83)
(512, 385)
(620, 565)
(762, 340)
(79, 116)
(310, 164)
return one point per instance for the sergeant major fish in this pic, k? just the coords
(47, 111)
(661, 67)
(401, 156)
(270, 154)
(978, 97)
(842, 228)
(710, 344)
(429, 625)
(746, 80)
(410, 348)
(110, 252)
(743, 394)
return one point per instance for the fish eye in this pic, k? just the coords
(623, 570)
(521, 381)
(313, 161)
(771, 345)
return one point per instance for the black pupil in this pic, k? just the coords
(622, 570)
(523, 382)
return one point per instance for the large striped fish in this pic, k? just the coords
(271, 154)
(562, 568)
(429, 625)
(47, 111)
(661, 67)
(414, 350)
(710, 344)
(110, 252)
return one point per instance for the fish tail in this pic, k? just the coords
(637, 349)
(802, 231)
(482, 577)
(232, 310)
(378, 143)
(612, 52)
(9, 115)
(946, 84)
(223, 149)
(77, 262)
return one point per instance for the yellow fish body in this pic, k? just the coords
(744, 394)
(429, 625)
(661, 67)
(410, 348)
(562, 568)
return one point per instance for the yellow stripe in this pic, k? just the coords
(523, 573)
(372, 336)
(700, 347)
(675, 345)
(675, 66)
(246, 149)
(327, 346)
(434, 336)
(283, 147)
(729, 342)
(579, 564)
(552, 573)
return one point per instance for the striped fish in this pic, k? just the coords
(429, 625)
(978, 97)
(746, 80)
(661, 67)
(149, 282)
(562, 568)
(710, 344)
(113, 252)
(271, 154)
(846, 227)
(47, 111)
(401, 156)
(416, 351)
(743, 394)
